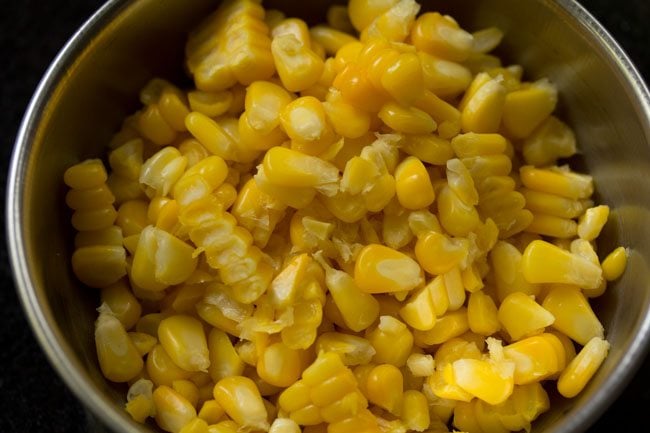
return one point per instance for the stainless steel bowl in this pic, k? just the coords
(94, 81)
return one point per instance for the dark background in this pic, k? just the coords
(32, 397)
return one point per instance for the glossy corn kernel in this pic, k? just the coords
(447, 326)
(279, 365)
(415, 410)
(592, 222)
(353, 350)
(346, 119)
(536, 358)
(188, 390)
(428, 148)
(381, 269)
(489, 382)
(394, 24)
(331, 39)
(446, 115)
(118, 357)
(122, 304)
(224, 360)
(111, 236)
(482, 111)
(409, 120)
(437, 253)
(88, 174)
(132, 217)
(614, 264)
(286, 167)
(506, 261)
(363, 12)
(441, 36)
(173, 411)
(461, 183)
(573, 314)
(482, 314)
(184, 340)
(565, 184)
(144, 343)
(543, 262)
(420, 365)
(552, 205)
(94, 219)
(413, 185)
(444, 78)
(473, 144)
(456, 217)
(99, 266)
(552, 140)
(582, 368)
(392, 341)
(241, 400)
(520, 315)
(297, 65)
(552, 226)
(140, 400)
(264, 101)
(385, 387)
(526, 108)
(89, 199)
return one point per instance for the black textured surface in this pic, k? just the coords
(32, 397)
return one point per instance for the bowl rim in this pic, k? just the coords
(48, 334)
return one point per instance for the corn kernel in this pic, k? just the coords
(380, 269)
(118, 357)
(582, 368)
(173, 411)
(614, 264)
(482, 314)
(409, 120)
(521, 316)
(573, 314)
(241, 400)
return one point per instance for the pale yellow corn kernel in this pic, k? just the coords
(472, 278)
(380, 194)
(364, 421)
(465, 418)
(394, 24)
(437, 253)
(123, 188)
(284, 425)
(140, 408)
(132, 217)
(241, 400)
(473, 144)
(521, 316)
(325, 366)
(212, 104)
(506, 262)
(455, 216)
(461, 183)
(305, 120)
(264, 101)
(88, 174)
(582, 368)
(100, 265)
(455, 290)
(255, 140)
(344, 408)
(552, 226)
(211, 412)
(420, 365)
(211, 135)
(286, 167)
(353, 350)
(200, 180)
(118, 357)
(144, 343)
(551, 204)
(446, 115)
(148, 323)
(123, 305)
(173, 108)
(308, 415)
(249, 289)
(358, 308)
(283, 290)
(385, 387)
(126, 160)
(297, 65)
(483, 167)
(162, 170)
(415, 411)
(441, 36)
(419, 310)
(295, 197)
(395, 231)
(543, 262)
(487, 418)
(279, 365)
(392, 341)
(614, 264)
(444, 78)
(447, 326)
(345, 207)
(422, 222)
(482, 314)
(153, 126)
(428, 148)
(592, 222)
(331, 39)
(89, 199)
(526, 108)
(565, 184)
(184, 340)
(363, 12)
(188, 390)
(453, 350)
(161, 369)
(359, 176)
(492, 383)
(346, 119)
(197, 425)
(226, 194)
(381, 269)
(409, 120)
(536, 358)
(552, 140)
(483, 110)
(293, 26)
(173, 411)
(573, 314)
(413, 185)
(224, 360)
(294, 397)
(443, 386)
(160, 260)
(486, 40)
(94, 219)
(227, 426)
(111, 236)
(333, 388)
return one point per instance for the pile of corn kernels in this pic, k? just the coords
(360, 226)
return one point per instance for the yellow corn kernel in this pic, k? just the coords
(212, 104)
(123, 305)
(363, 12)
(447, 326)
(391, 340)
(331, 39)
(465, 417)
(453, 350)
(126, 160)
(420, 365)
(551, 204)
(526, 108)
(347, 54)
(358, 308)
(359, 175)
(88, 174)
(456, 217)
(582, 368)
(356, 88)
(338, 18)
(415, 410)
(395, 231)
(403, 80)
(394, 24)
(380, 194)
(419, 311)
(284, 425)
(286, 167)
(111, 236)
(437, 253)
(344, 408)
(409, 120)
(144, 343)
(294, 397)
(592, 222)
(140, 408)
(353, 350)
(148, 323)
(552, 140)
(211, 412)
(118, 357)
(482, 314)
(346, 119)
(224, 360)
(297, 65)
(173, 108)
(89, 199)
(160, 260)
(543, 262)
(325, 366)
(455, 290)
(212, 135)
(428, 148)
(283, 290)
(441, 36)
(385, 387)
(520, 315)
(279, 365)
(161, 171)
(241, 400)
(446, 115)
(444, 78)
(184, 340)
(94, 219)
(565, 184)
(264, 101)
(227, 426)
(188, 390)
(552, 226)
(173, 411)
(132, 217)
(422, 222)
(492, 383)
(197, 425)
(293, 26)
(295, 197)
(154, 127)
(100, 265)
(573, 314)
(333, 388)
(413, 185)
(461, 183)
(507, 265)
(161, 369)
(381, 269)
(482, 111)
(473, 144)
(614, 264)
(536, 358)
